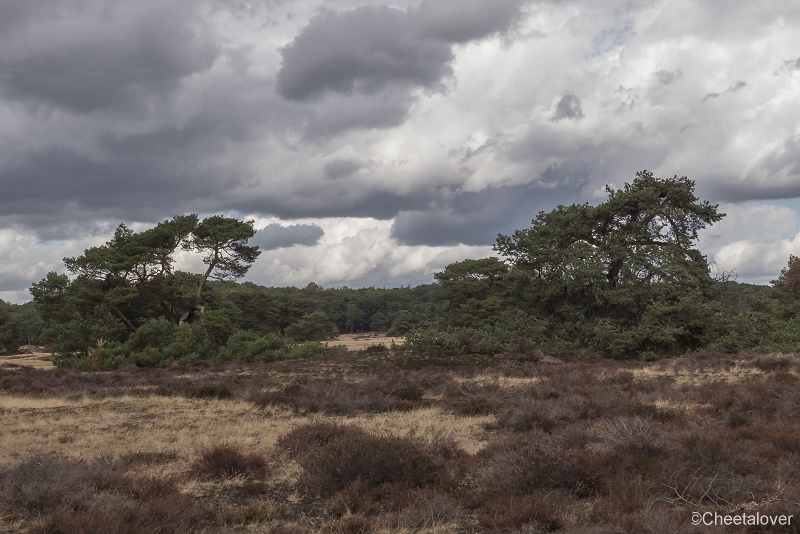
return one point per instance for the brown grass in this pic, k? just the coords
(385, 442)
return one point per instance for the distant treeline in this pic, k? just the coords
(623, 279)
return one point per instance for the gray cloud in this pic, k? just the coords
(360, 51)
(475, 218)
(359, 112)
(736, 87)
(666, 77)
(776, 176)
(792, 63)
(460, 21)
(85, 60)
(569, 107)
(364, 50)
(330, 199)
(341, 167)
(130, 182)
(274, 236)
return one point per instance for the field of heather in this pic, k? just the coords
(378, 441)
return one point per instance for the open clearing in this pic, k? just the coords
(38, 360)
(362, 341)
(458, 444)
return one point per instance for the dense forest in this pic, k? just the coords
(622, 279)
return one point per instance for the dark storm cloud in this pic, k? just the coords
(361, 51)
(360, 112)
(140, 178)
(275, 236)
(333, 200)
(569, 107)
(475, 218)
(371, 47)
(86, 58)
(341, 167)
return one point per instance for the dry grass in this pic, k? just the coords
(439, 445)
(363, 341)
(37, 360)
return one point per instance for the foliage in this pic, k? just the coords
(223, 241)
(314, 326)
(403, 323)
(621, 279)
(19, 325)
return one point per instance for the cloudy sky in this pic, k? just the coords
(375, 142)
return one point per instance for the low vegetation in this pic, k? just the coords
(394, 442)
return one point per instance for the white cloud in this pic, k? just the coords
(356, 252)
(754, 240)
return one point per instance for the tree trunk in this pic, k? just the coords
(122, 316)
(171, 316)
(206, 275)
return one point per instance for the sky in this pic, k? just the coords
(373, 143)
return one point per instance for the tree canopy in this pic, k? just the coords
(623, 279)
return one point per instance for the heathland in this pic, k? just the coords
(382, 441)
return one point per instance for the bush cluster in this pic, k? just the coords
(157, 343)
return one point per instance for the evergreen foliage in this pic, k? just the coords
(622, 279)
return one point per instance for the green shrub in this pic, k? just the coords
(249, 346)
(403, 323)
(314, 326)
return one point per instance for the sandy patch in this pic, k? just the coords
(39, 360)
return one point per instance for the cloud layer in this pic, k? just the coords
(429, 126)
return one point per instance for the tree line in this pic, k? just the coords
(622, 279)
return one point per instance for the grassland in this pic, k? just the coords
(376, 441)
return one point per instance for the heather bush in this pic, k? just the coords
(525, 513)
(228, 461)
(389, 393)
(349, 525)
(174, 514)
(309, 438)
(373, 460)
(476, 406)
(208, 391)
(356, 498)
(45, 482)
(338, 456)
(427, 510)
(525, 416)
(627, 434)
(523, 464)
